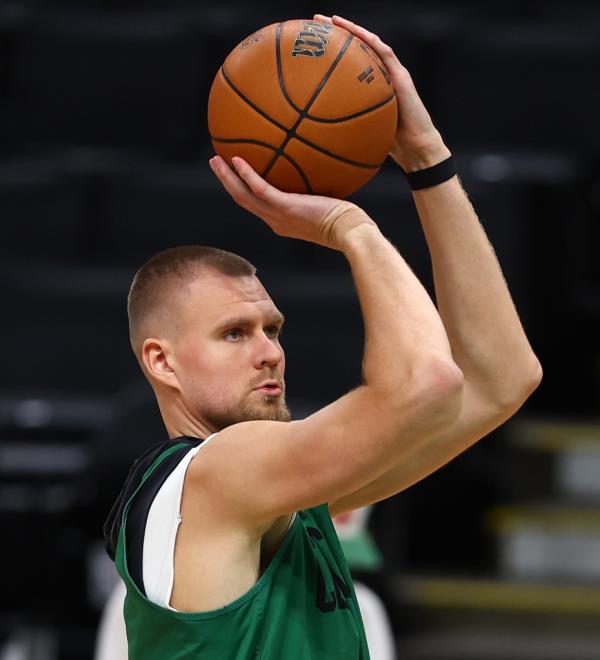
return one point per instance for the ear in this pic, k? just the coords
(156, 358)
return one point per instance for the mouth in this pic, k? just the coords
(269, 388)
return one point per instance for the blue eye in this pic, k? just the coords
(234, 334)
(273, 331)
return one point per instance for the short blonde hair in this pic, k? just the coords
(175, 266)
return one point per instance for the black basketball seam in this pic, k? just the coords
(337, 120)
(280, 69)
(326, 77)
(303, 113)
(292, 132)
(250, 103)
(269, 146)
(314, 146)
(245, 141)
(343, 159)
(308, 116)
(297, 109)
(298, 137)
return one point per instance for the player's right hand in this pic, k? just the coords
(323, 220)
(417, 143)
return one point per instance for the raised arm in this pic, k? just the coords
(486, 337)
(257, 471)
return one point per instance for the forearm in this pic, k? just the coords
(403, 329)
(482, 324)
(487, 340)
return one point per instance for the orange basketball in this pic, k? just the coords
(307, 104)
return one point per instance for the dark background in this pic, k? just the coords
(103, 161)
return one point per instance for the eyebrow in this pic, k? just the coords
(275, 319)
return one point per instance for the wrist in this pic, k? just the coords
(355, 238)
(340, 222)
(432, 152)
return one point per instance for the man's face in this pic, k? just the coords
(227, 354)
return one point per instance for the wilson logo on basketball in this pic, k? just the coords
(367, 75)
(312, 39)
(377, 61)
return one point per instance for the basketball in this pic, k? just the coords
(310, 106)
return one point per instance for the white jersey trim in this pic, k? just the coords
(160, 534)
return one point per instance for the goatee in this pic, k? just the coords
(267, 408)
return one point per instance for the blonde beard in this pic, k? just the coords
(267, 408)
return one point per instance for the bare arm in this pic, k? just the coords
(486, 337)
(257, 471)
(483, 326)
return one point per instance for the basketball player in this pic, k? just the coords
(223, 535)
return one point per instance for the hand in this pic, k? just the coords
(313, 218)
(417, 143)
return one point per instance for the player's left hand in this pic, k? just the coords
(417, 144)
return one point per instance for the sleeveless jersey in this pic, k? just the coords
(303, 607)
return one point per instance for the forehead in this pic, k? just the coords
(213, 297)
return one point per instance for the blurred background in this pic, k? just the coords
(103, 161)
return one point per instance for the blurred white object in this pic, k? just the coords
(111, 640)
(378, 630)
(578, 470)
(551, 553)
(362, 554)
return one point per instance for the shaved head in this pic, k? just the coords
(154, 294)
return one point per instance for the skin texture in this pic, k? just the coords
(224, 345)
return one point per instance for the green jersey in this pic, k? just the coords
(303, 607)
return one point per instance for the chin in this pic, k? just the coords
(266, 409)
(271, 410)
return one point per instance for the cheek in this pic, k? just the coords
(195, 367)
(212, 368)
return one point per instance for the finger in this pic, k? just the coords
(231, 182)
(322, 17)
(261, 188)
(235, 186)
(352, 27)
(370, 38)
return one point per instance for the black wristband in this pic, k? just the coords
(431, 176)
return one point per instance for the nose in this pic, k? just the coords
(269, 352)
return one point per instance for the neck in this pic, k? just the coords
(180, 421)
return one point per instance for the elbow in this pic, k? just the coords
(521, 386)
(430, 392)
(444, 378)
(440, 390)
(535, 375)
(532, 377)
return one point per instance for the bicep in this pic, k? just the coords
(414, 461)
